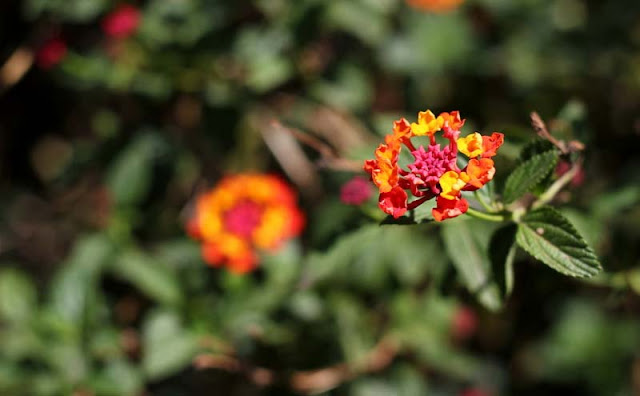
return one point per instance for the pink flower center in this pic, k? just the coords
(243, 218)
(430, 164)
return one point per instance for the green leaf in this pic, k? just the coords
(68, 360)
(73, 290)
(118, 378)
(17, 296)
(167, 346)
(467, 242)
(129, 178)
(502, 251)
(548, 236)
(365, 258)
(354, 328)
(151, 276)
(364, 22)
(528, 174)
(352, 89)
(535, 147)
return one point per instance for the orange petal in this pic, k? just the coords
(453, 120)
(480, 172)
(490, 144)
(401, 129)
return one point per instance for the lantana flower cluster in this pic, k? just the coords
(434, 173)
(242, 215)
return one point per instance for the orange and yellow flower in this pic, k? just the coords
(435, 5)
(434, 171)
(243, 214)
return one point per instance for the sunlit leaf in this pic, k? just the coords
(548, 236)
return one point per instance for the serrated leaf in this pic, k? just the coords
(528, 174)
(467, 248)
(535, 147)
(548, 236)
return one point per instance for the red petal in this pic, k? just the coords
(393, 202)
(449, 208)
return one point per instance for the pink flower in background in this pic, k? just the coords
(356, 191)
(465, 323)
(51, 53)
(121, 22)
(564, 167)
(474, 392)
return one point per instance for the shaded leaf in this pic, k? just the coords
(535, 147)
(129, 178)
(151, 276)
(17, 296)
(354, 328)
(548, 236)
(467, 248)
(502, 251)
(167, 346)
(119, 378)
(74, 288)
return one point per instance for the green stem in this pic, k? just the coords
(482, 202)
(558, 185)
(486, 216)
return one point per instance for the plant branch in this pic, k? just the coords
(15, 67)
(558, 185)
(305, 382)
(486, 216)
(328, 157)
(541, 129)
(482, 202)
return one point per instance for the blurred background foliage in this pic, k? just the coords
(101, 292)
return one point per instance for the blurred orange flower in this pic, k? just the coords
(435, 5)
(245, 213)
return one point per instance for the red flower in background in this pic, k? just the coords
(474, 392)
(242, 214)
(564, 167)
(51, 53)
(121, 22)
(464, 323)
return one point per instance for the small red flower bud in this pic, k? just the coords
(51, 53)
(474, 392)
(121, 22)
(464, 324)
